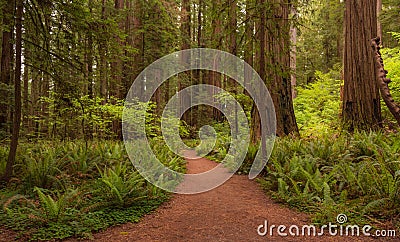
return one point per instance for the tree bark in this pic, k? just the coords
(103, 62)
(185, 58)
(256, 128)
(17, 94)
(293, 54)
(383, 81)
(216, 43)
(361, 100)
(249, 47)
(378, 12)
(278, 74)
(6, 59)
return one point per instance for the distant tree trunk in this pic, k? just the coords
(216, 43)
(90, 90)
(186, 58)
(128, 70)
(34, 98)
(116, 84)
(233, 51)
(6, 59)
(293, 54)
(25, 117)
(17, 94)
(249, 46)
(116, 64)
(378, 12)
(138, 41)
(361, 99)
(103, 62)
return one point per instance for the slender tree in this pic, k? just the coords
(17, 93)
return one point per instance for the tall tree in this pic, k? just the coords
(274, 65)
(361, 99)
(17, 93)
(186, 58)
(278, 63)
(6, 59)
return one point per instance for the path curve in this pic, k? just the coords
(231, 212)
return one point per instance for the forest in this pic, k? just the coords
(69, 169)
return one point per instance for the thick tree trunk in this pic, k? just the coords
(361, 99)
(274, 67)
(383, 81)
(278, 77)
(6, 59)
(17, 94)
(256, 128)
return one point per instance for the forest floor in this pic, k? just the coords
(231, 212)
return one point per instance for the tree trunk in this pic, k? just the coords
(383, 82)
(216, 43)
(103, 62)
(361, 99)
(249, 46)
(256, 129)
(25, 117)
(293, 54)
(17, 94)
(278, 74)
(233, 50)
(186, 58)
(6, 59)
(378, 12)
(138, 41)
(274, 67)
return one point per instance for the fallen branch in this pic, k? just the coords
(383, 81)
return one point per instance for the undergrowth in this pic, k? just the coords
(72, 189)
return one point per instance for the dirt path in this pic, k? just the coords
(231, 212)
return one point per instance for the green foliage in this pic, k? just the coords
(75, 188)
(320, 38)
(354, 175)
(123, 185)
(317, 105)
(391, 58)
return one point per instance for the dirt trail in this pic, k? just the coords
(231, 212)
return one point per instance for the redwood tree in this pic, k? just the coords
(361, 100)
(273, 55)
(17, 94)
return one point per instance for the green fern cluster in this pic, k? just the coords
(327, 174)
(69, 189)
